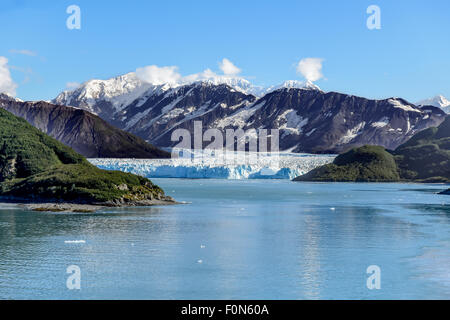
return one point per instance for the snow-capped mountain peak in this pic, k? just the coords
(119, 91)
(295, 84)
(237, 83)
(6, 96)
(438, 101)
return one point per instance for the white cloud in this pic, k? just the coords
(162, 75)
(228, 68)
(205, 75)
(159, 75)
(7, 84)
(24, 52)
(310, 68)
(72, 85)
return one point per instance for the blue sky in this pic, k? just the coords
(408, 57)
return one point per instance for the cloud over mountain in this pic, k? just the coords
(228, 68)
(7, 84)
(159, 75)
(310, 68)
(169, 74)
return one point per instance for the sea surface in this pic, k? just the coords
(237, 239)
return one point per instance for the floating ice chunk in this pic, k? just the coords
(75, 241)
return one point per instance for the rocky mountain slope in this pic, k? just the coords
(35, 167)
(309, 119)
(86, 133)
(424, 158)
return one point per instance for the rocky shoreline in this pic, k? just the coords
(57, 206)
(89, 208)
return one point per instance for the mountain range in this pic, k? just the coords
(309, 119)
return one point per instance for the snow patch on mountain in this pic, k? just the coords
(352, 133)
(381, 123)
(293, 123)
(240, 118)
(399, 103)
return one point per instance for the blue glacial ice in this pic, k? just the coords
(220, 166)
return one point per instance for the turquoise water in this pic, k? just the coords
(237, 239)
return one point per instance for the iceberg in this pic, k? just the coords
(220, 165)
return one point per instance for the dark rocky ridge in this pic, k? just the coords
(86, 133)
(338, 122)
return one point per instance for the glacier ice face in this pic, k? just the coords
(220, 166)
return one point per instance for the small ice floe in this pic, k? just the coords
(74, 241)
(200, 261)
(202, 246)
(333, 209)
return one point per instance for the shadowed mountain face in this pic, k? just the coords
(309, 119)
(426, 156)
(314, 121)
(86, 133)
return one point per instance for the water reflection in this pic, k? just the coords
(262, 240)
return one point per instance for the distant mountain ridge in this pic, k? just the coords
(438, 101)
(309, 119)
(86, 133)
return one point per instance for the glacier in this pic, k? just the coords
(237, 165)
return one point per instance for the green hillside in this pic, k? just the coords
(367, 163)
(426, 156)
(34, 166)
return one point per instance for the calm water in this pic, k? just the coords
(237, 240)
